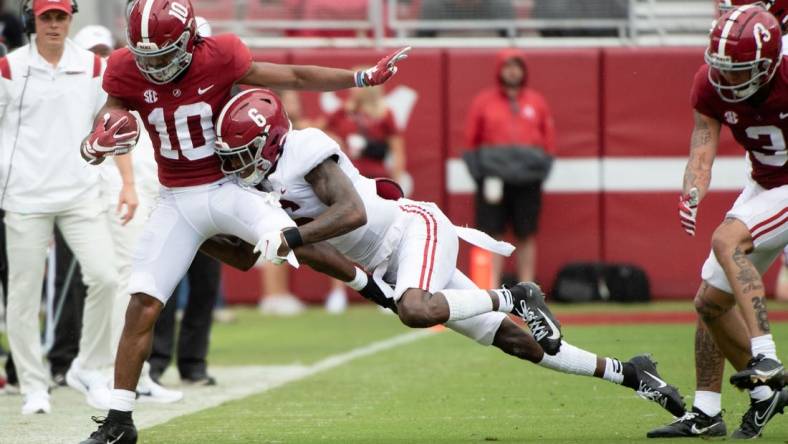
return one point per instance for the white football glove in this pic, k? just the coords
(268, 247)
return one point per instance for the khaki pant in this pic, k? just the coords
(86, 231)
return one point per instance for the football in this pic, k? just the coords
(111, 117)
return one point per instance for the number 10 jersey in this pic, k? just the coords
(180, 115)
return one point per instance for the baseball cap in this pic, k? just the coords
(94, 35)
(42, 6)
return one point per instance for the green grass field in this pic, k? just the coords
(441, 389)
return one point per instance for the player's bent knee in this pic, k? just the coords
(711, 303)
(729, 236)
(415, 310)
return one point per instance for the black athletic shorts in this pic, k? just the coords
(519, 206)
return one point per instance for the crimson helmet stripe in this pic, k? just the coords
(146, 20)
(727, 29)
(227, 107)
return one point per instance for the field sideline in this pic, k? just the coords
(430, 388)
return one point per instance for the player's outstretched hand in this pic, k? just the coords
(109, 141)
(380, 73)
(273, 248)
(688, 211)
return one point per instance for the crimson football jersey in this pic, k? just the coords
(180, 115)
(762, 129)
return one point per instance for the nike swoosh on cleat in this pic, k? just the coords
(761, 420)
(661, 382)
(695, 430)
(556, 333)
(116, 439)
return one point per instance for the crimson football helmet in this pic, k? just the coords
(161, 35)
(251, 132)
(779, 8)
(744, 52)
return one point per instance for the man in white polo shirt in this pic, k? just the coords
(50, 91)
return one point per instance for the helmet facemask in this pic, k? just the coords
(245, 162)
(738, 81)
(163, 65)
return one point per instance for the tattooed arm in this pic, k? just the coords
(345, 211)
(703, 149)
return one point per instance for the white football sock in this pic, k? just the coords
(614, 371)
(761, 392)
(764, 345)
(709, 403)
(572, 360)
(360, 281)
(505, 302)
(122, 400)
(464, 304)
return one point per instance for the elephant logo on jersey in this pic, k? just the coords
(151, 96)
(731, 117)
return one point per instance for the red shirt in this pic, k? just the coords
(494, 120)
(180, 115)
(762, 130)
(344, 124)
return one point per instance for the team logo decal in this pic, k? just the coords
(731, 117)
(177, 92)
(151, 96)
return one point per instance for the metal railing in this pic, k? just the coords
(449, 23)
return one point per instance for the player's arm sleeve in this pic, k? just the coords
(702, 95)
(240, 62)
(316, 147)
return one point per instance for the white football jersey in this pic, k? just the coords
(303, 151)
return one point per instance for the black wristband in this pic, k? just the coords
(292, 237)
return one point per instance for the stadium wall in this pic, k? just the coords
(623, 121)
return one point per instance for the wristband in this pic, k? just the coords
(360, 79)
(292, 237)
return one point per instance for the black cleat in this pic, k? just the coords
(694, 423)
(529, 304)
(760, 371)
(758, 415)
(651, 387)
(110, 432)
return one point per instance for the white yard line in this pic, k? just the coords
(70, 422)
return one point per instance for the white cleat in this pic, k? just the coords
(336, 302)
(281, 305)
(92, 383)
(149, 391)
(36, 402)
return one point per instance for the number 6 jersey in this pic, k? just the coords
(179, 115)
(761, 128)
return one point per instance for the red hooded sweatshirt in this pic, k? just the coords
(495, 119)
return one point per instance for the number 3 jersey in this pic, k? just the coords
(761, 128)
(179, 115)
(304, 150)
